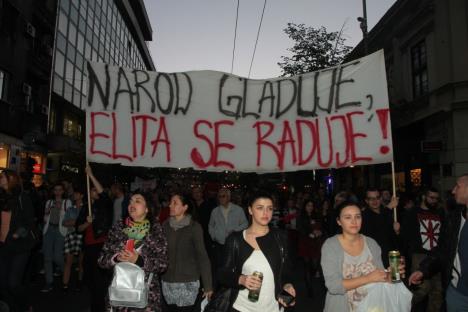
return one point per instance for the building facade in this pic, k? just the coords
(109, 31)
(43, 87)
(26, 38)
(426, 52)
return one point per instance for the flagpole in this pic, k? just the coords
(394, 190)
(88, 190)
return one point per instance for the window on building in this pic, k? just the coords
(4, 78)
(3, 156)
(71, 127)
(419, 69)
(52, 121)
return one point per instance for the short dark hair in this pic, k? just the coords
(260, 194)
(118, 186)
(58, 184)
(79, 190)
(431, 190)
(186, 199)
(149, 205)
(343, 205)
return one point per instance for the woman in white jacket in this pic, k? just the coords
(54, 234)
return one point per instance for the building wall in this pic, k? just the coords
(95, 31)
(441, 113)
(26, 40)
(105, 31)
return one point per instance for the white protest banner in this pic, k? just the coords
(215, 121)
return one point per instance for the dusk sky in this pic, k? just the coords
(199, 34)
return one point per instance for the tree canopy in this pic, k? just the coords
(314, 49)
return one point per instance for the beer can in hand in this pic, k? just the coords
(394, 261)
(255, 293)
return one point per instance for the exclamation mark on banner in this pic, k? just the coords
(383, 121)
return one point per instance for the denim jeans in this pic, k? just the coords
(52, 247)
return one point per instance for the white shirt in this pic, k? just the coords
(266, 301)
(117, 210)
(456, 262)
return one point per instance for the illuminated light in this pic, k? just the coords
(37, 168)
(416, 176)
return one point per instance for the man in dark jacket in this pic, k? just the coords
(377, 223)
(450, 257)
(420, 231)
(95, 228)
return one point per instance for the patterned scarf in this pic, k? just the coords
(136, 230)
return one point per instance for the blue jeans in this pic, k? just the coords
(52, 248)
(456, 302)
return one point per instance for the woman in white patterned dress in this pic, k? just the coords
(350, 261)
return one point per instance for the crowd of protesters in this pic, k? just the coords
(186, 236)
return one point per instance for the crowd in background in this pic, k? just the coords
(50, 230)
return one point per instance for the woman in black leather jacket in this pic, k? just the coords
(258, 248)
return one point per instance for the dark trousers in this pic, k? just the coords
(95, 278)
(174, 308)
(13, 287)
(218, 254)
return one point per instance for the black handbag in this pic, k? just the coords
(221, 301)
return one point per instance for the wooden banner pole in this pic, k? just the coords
(88, 190)
(394, 190)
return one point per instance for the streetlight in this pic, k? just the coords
(363, 24)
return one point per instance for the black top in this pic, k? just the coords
(102, 210)
(420, 229)
(202, 214)
(229, 273)
(442, 257)
(21, 222)
(379, 226)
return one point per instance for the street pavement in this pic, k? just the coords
(78, 301)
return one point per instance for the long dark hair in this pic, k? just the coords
(149, 205)
(13, 180)
(315, 213)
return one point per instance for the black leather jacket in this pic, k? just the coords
(442, 257)
(273, 245)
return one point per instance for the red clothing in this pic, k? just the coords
(89, 237)
(163, 215)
